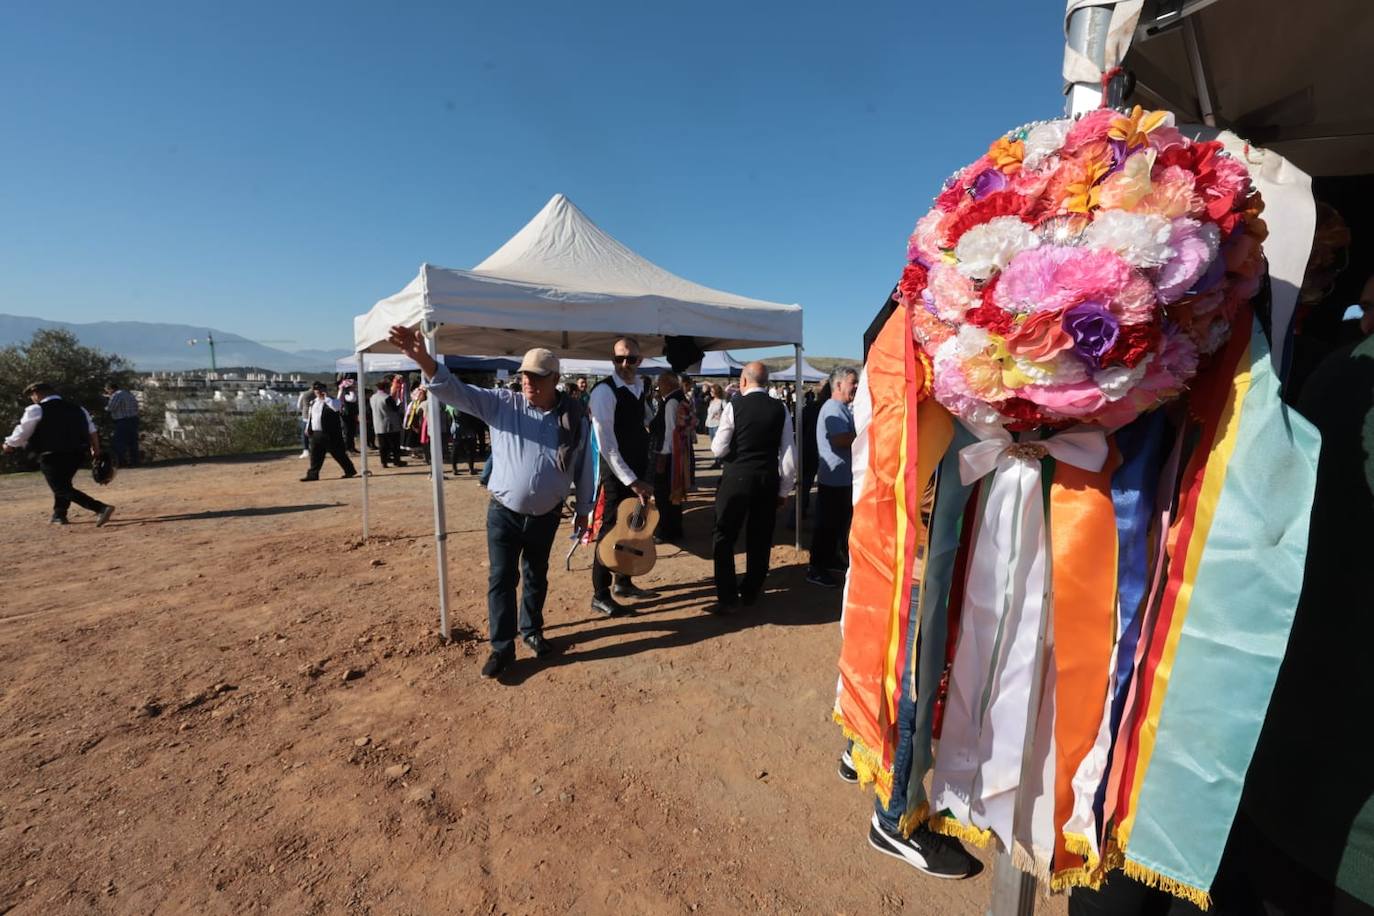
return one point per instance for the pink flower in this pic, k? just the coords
(1030, 283)
(1171, 195)
(1092, 273)
(924, 244)
(951, 292)
(1136, 303)
(1079, 400)
(1194, 245)
(1089, 128)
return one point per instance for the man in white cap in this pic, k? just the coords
(539, 449)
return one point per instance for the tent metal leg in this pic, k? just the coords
(363, 409)
(797, 444)
(434, 414)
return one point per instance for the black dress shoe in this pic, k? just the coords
(398, 464)
(630, 590)
(309, 479)
(346, 476)
(496, 663)
(721, 608)
(611, 608)
(58, 520)
(537, 644)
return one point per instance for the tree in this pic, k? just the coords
(78, 373)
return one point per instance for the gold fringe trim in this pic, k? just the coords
(1023, 859)
(866, 763)
(913, 819)
(1151, 878)
(950, 827)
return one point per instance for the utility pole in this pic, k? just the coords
(210, 340)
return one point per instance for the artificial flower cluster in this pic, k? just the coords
(1079, 271)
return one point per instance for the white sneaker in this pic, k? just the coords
(304, 454)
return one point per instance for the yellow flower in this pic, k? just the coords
(1134, 129)
(1007, 155)
(1081, 195)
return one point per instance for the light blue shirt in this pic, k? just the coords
(525, 476)
(834, 470)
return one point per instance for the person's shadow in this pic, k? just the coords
(245, 512)
(782, 604)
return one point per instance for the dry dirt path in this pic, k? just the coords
(222, 702)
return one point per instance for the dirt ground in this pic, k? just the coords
(224, 702)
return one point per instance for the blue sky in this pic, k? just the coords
(273, 169)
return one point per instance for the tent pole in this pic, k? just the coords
(436, 474)
(797, 436)
(363, 408)
(1087, 34)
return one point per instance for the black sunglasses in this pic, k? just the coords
(628, 360)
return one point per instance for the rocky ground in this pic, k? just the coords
(225, 702)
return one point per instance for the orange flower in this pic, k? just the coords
(1007, 155)
(1134, 129)
(1081, 193)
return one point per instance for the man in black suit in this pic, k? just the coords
(62, 435)
(326, 435)
(754, 443)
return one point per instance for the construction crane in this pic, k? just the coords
(209, 340)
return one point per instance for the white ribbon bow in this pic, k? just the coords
(996, 677)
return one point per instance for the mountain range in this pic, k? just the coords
(153, 346)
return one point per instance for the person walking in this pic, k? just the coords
(61, 434)
(713, 412)
(540, 439)
(326, 435)
(834, 437)
(619, 407)
(122, 407)
(386, 421)
(668, 445)
(754, 442)
(348, 398)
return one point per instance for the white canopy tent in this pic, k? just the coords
(809, 373)
(716, 364)
(563, 283)
(603, 367)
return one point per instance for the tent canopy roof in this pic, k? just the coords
(809, 373)
(562, 282)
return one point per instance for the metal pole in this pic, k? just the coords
(436, 474)
(797, 439)
(364, 406)
(1087, 34)
(1013, 891)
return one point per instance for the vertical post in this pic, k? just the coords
(1087, 34)
(1013, 891)
(364, 407)
(436, 474)
(797, 439)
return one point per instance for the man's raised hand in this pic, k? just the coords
(412, 343)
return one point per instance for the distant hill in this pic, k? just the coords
(153, 346)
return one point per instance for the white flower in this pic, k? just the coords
(1142, 239)
(984, 250)
(1061, 369)
(1043, 141)
(970, 341)
(1116, 381)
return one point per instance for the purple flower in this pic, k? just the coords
(1093, 329)
(987, 182)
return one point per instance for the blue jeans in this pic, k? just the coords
(902, 757)
(126, 441)
(517, 548)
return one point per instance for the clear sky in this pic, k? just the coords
(274, 169)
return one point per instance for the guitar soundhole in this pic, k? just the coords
(637, 519)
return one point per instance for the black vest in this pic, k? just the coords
(758, 433)
(63, 429)
(630, 433)
(656, 425)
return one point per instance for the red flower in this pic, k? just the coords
(911, 285)
(1024, 414)
(991, 318)
(1000, 203)
(1133, 342)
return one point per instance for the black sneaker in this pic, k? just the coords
(537, 644)
(630, 590)
(821, 577)
(496, 663)
(926, 851)
(58, 520)
(103, 516)
(611, 608)
(846, 769)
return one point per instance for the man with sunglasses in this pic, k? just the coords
(539, 440)
(619, 406)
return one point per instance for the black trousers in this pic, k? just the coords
(601, 576)
(830, 537)
(322, 443)
(748, 500)
(58, 470)
(808, 477)
(669, 513)
(389, 447)
(517, 547)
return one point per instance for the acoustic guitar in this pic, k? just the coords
(628, 548)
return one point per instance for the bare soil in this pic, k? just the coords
(225, 702)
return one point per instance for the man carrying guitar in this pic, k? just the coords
(539, 445)
(754, 441)
(619, 407)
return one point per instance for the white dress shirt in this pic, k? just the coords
(602, 408)
(28, 422)
(317, 412)
(787, 454)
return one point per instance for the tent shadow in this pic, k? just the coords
(653, 630)
(245, 512)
